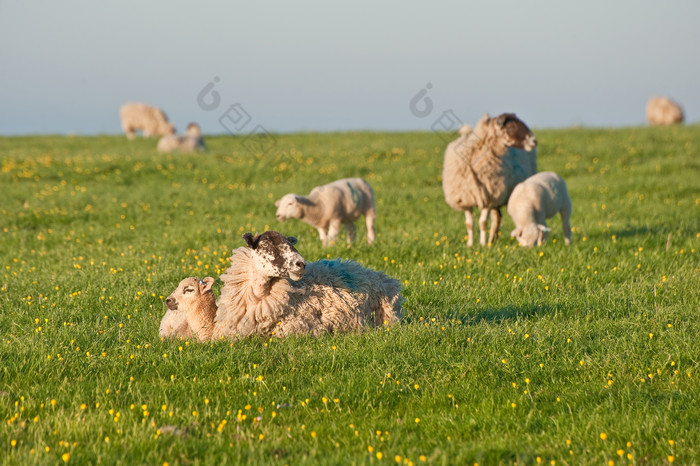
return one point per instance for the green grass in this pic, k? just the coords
(505, 354)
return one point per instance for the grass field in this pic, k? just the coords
(588, 354)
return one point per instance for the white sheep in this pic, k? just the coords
(174, 323)
(483, 166)
(152, 121)
(533, 201)
(329, 206)
(192, 141)
(270, 290)
(664, 111)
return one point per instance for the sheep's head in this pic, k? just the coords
(274, 255)
(531, 234)
(193, 130)
(507, 130)
(191, 292)
(288, 207)
(167, 128)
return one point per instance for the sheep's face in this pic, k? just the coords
(531, 234)
(189, 293)
(288, 207)
(512, 131)
(193, 130)
(274, 255)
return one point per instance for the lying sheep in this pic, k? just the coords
(152, 121)
(329, 206)
(533, 201)
(270, 290)
(192, 141)
(664, 111)
(483, 166)
(174, 323)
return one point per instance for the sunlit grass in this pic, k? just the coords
(585, 354)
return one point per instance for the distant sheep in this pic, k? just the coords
(663, 111)
(192, 141)
(533, 201)
(152, 121)
(483, 166)
(329, 206)
(270, 290)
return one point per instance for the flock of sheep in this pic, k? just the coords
(270, 289)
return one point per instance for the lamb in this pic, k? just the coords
(538, 198)
(483, 166)
(270, 290)
(189, 293)
(151, 120)
(329, 206)
(192, 141)
(664, 111)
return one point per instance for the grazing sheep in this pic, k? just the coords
(483, 166)
(663, 111)
(152, 121)
(190, 292)
(192, 141)
(329, 206)
(270, 290)
(533, 201)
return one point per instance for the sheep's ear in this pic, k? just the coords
(250, 240)
(292, 240)
(501, 120)
(207, 283)
(277, 203)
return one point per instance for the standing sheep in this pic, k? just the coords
(192, 141)
(483, 166)
(533, 201)
(663, 111)
(152, 121)
(329, 206)
(270, 290)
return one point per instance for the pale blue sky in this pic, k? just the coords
(323, 66)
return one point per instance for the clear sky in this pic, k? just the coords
(67, 66)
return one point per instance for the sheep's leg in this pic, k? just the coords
(333, 230)
(469, 221)
(566, 226)
(369, 221)
(495, 224)
(323, 236)
(483, 225)
(350, 228)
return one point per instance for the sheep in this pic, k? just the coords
(192, 141)
(482, 167)
(189, 292)
(664, 111)
(329, 206)
(270, 290)
(533, 201)
(151, 120)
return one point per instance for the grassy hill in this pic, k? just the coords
(584, 354)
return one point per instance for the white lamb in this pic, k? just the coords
(192, 141)
(664, 111)
(270, 290)
(483, 166)
(533, 201)
(174, 323)
(152, 121)
(329, 206)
